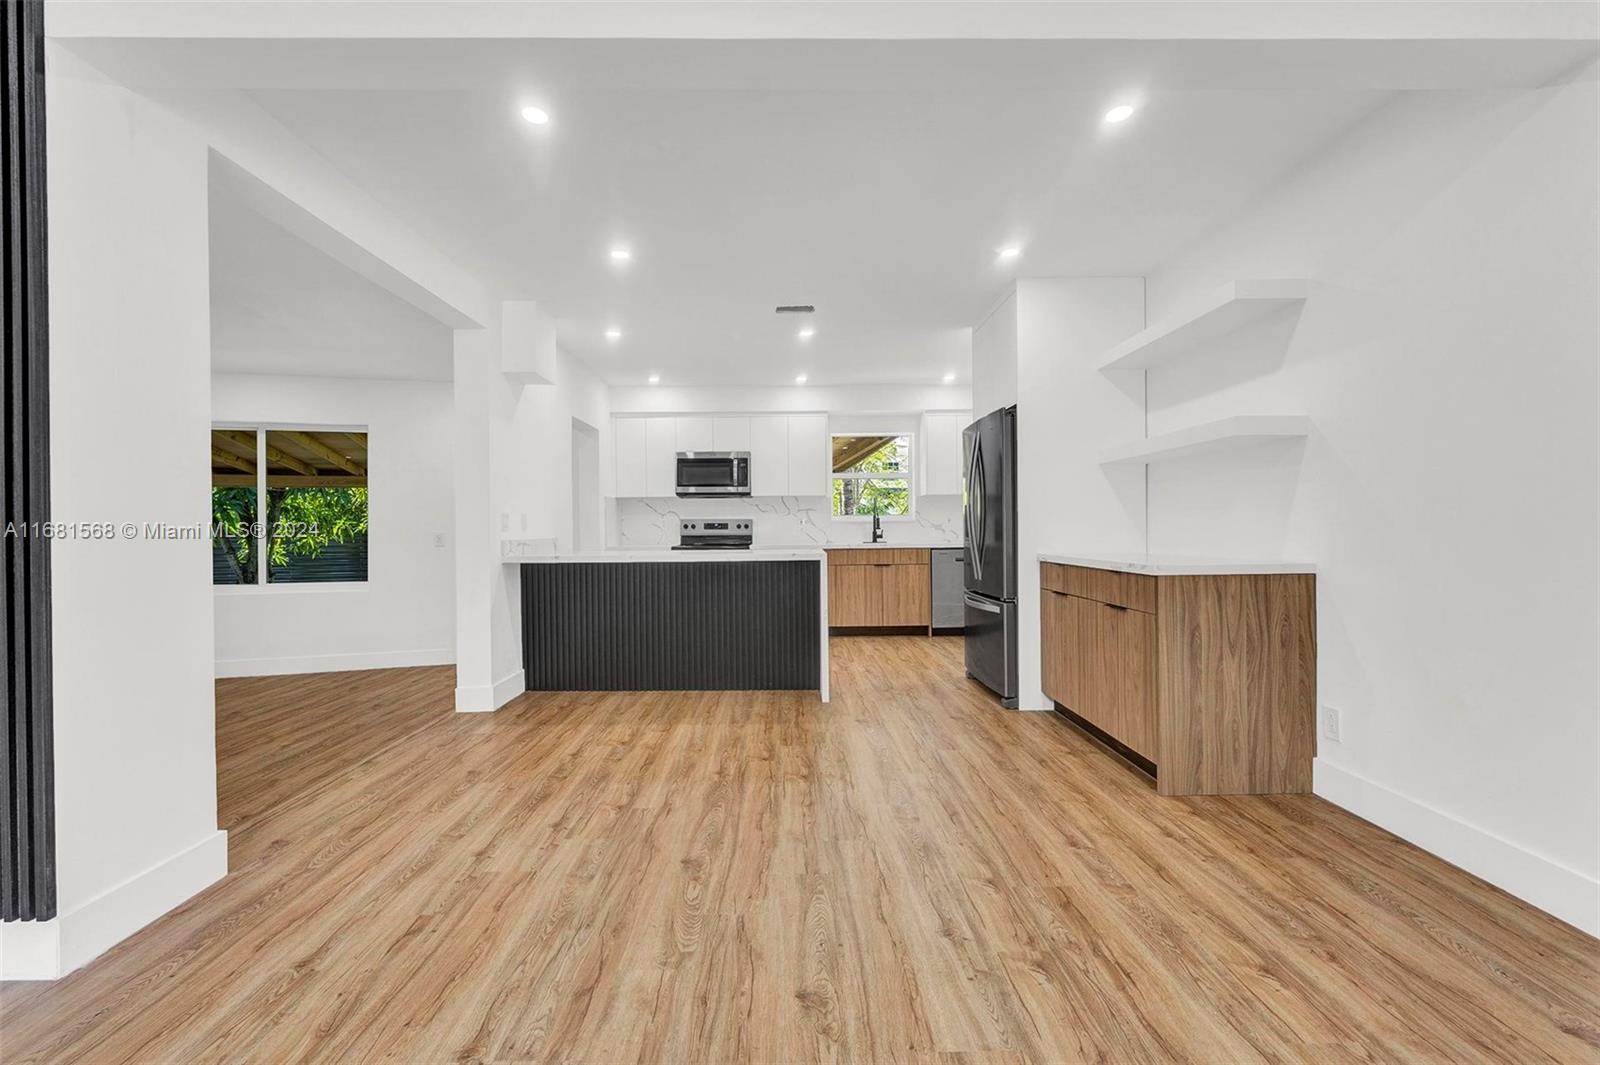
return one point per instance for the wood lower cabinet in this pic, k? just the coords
(876, 588)
(907, 593)
(1099, 662)
(1210, 678)
(855, 596)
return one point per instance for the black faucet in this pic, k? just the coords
(877, 530)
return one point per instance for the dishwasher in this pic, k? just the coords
(949, 590)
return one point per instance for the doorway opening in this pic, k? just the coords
(585, 487)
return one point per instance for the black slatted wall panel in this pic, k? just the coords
(672, 626)
(27, 861)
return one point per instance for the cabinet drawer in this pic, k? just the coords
(1099, 662)
(1136, 591)
(878, 556)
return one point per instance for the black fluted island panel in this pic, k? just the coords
(27, 757)
(658, 626)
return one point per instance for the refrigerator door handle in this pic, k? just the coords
(971, 488)
(975, 493)
(982, 604)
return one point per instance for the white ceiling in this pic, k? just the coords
(873, 179)
(280, 306)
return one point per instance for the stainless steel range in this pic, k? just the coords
(714, 534)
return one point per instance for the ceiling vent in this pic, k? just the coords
(796, 308)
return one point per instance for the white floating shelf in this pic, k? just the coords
(1231, 306)
(1224, 435)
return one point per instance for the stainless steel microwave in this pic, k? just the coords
(713, 473)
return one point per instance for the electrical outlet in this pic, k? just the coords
(1330, 723)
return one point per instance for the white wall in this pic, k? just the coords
(513, 480)
(994, 357)
(533, 471)
(1448, 492)
(405, 614)
(135, 761)
(1066, 410)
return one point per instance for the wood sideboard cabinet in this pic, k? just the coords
(1208, 681)
(879, 588)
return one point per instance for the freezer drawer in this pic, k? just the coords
(949, 613)
(991, 645)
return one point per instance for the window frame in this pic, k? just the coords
(263, 586)
(909, 478)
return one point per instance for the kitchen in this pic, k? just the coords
(746, 543)
(867, 504)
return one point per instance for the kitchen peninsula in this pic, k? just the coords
(746, 619)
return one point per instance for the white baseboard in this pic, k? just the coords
(30, 950)
(48, 950)
(1558, 890)
(482, 698)
(338, 663)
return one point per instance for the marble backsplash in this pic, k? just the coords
(783, 521)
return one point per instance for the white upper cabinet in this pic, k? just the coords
(629, 447)
(788, 452)
(768, 438)
(661, 456)
(941, 452)
(808, 455)
(730, 434)
(696, 434)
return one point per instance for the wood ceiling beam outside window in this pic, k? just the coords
(220, 457)
(238, 441)
(849, 450)
(295, 458)
(323, 450)
(279, 457)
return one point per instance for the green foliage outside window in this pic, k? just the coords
(233, 516)
(301, 523)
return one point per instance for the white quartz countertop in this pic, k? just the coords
(1177, 565)
(666, 554)
(915, 545)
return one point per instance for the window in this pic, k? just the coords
(313, 526)
(871, 475)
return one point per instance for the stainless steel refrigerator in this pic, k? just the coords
(989, 505)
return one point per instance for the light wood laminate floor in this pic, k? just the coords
(907, 873)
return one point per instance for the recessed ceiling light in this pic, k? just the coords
(800, 379)
(613, 333)
(619, 254)
(537, 115)
(655, 379)
(1010, 251)
(1120, 113)
(807, 332)
(949, 378)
